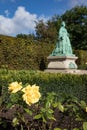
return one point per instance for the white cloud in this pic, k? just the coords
(22, 22)
(42, 17)
(7, 12)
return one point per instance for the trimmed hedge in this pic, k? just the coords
(82, 59)
(17, 53)
(62, 84)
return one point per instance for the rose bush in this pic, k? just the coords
(26, 111)
(30, 95)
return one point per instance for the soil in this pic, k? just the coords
(63, 121)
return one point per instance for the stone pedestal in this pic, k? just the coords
(61, 63)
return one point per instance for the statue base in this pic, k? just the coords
(67, 71)
(62, 62)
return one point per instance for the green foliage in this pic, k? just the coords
(43, 113)
(62, 84)
(46, 111)
(23, 53)
(85, 126)
(81, 61)
(57, 129)
(76, 21)
(18, 53)
(14, 98)
(48, 32)
(15, 122)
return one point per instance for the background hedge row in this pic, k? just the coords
(18, 53)
(62, 84)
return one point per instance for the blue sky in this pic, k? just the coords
(19, 16)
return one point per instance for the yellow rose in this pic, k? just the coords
(14, 87)
(31, 94)
(86, 109)
(28, 88)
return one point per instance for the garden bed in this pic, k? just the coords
(63, 121)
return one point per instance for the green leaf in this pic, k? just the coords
(43, 110)
(52, 118)
(57, 129)
(55, 104)
(75, 129)
(50, 111)
(78, 118)
(48, 104)
(83, 104)
(15, 121)
(60, 106)
(28, 111)
(0, 101)
(38, 116)
(22, 127)
(84, 125)
(44, 120)
(1, 121)
(22, 118)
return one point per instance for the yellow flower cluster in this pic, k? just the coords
(31, 94)
(14, 87)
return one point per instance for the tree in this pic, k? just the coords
(76, 24)
(40, 30)
(48, 32)
(76, 21)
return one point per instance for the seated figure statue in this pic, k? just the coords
(63, 45)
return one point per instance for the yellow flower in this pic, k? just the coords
(31, 94)
(86, 109)
(14, 87)
(28, 88)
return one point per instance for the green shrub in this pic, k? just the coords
(62, 84)
(82, 60)
(18, 53)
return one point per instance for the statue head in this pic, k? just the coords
(63, 24)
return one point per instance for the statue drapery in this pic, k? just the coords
(63, 45)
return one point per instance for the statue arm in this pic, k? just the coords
(60, 36)
(61, 33)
